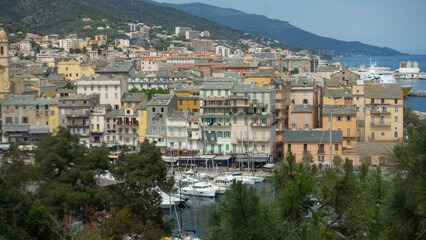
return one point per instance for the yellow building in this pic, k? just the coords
(344, 119)
(75, 69)
(142, 119)
(53, 116)
(261, 78)
(383, 112)
(188, 98)
(338, 96)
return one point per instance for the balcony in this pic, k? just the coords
(260, 125)
(380, 111)
(85, 115)
(239, 97)
(216, 124)
(380, 124)
(77, 125)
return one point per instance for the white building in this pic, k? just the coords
(110, 88)
(180, 31)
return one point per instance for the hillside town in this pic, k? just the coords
(222, 103)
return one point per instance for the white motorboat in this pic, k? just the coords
(256, 179)
(168, 201)
(227, 179)
(202, 189)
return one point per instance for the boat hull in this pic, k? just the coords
(405, 91)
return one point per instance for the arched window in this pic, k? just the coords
(1, 51)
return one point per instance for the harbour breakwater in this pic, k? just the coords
(417, 93)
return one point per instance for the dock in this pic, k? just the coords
(417, 93)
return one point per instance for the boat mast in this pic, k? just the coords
(331, 147)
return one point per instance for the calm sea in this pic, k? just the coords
(416, 103)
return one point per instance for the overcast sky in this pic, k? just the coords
(398, 24)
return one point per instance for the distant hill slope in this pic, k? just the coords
(65, 16)
(279, 30)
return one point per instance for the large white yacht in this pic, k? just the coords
(202, 189)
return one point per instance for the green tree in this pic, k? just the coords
(69, 85)
(242, 215)
(14, 170)
(307, 157)
(285, 69)
(294, 71)
(68, 172)
(22, 216)
(410, 117)
(136, 202)
(406, 206)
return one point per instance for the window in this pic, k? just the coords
(288, 147)
(106, 88)
(99, 88)
(226, 93)
(219, 93)
(106, 95)
(383, 101)
(348, 118)
(227, 147)
(357, 98)
(153, 109)
(235, 120)
(195, 102)
(305, 147)
(348, 142)
(211, 93)
(357, 109)
(212, 148)
(116, 95)
(116, 88)
(92, 88)
(293, 126)
(339, 118)
(263, 147)
(372, 101)
(162, 109)
(306, 126)
(382, 133)
(336, 147)
(16, 120)
(246, 121)
(234, 148)
(396, 118)
(396, 101)
(24, 119)
(293, 118)
(8, 120)
(396, 109)
(305, 101)
(395, 134)
(306, 118)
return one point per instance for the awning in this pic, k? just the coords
(268, 165)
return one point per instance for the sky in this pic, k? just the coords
(398, 24)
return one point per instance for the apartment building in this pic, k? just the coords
(237, 118)
(343, 119)
(97, 123)
(177, 133)
(74, 114)
(24, 118)
(109, 88)
(158, 109)
(316, 142)
(128, 128)
(383, 112)
(301, 117)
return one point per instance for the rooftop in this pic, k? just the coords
(385, 90)
(249, 88)
(312, 136)
(339, 109)
(338, 93)
(302, 108)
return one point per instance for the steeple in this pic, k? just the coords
(4, 64)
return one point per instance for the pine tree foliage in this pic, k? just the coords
(136, 201)
(68, 170)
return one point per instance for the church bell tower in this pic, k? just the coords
(4, 65)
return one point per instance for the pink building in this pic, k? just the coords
(301, 117)
(25, 46)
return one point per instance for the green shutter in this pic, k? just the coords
(234, 148)
(220, 148)
(204, 93)
(227, 147)
(263, 147)
(212, 148)
(235, 120)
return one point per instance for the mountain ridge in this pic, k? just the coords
(65, 16)
(279, 30)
